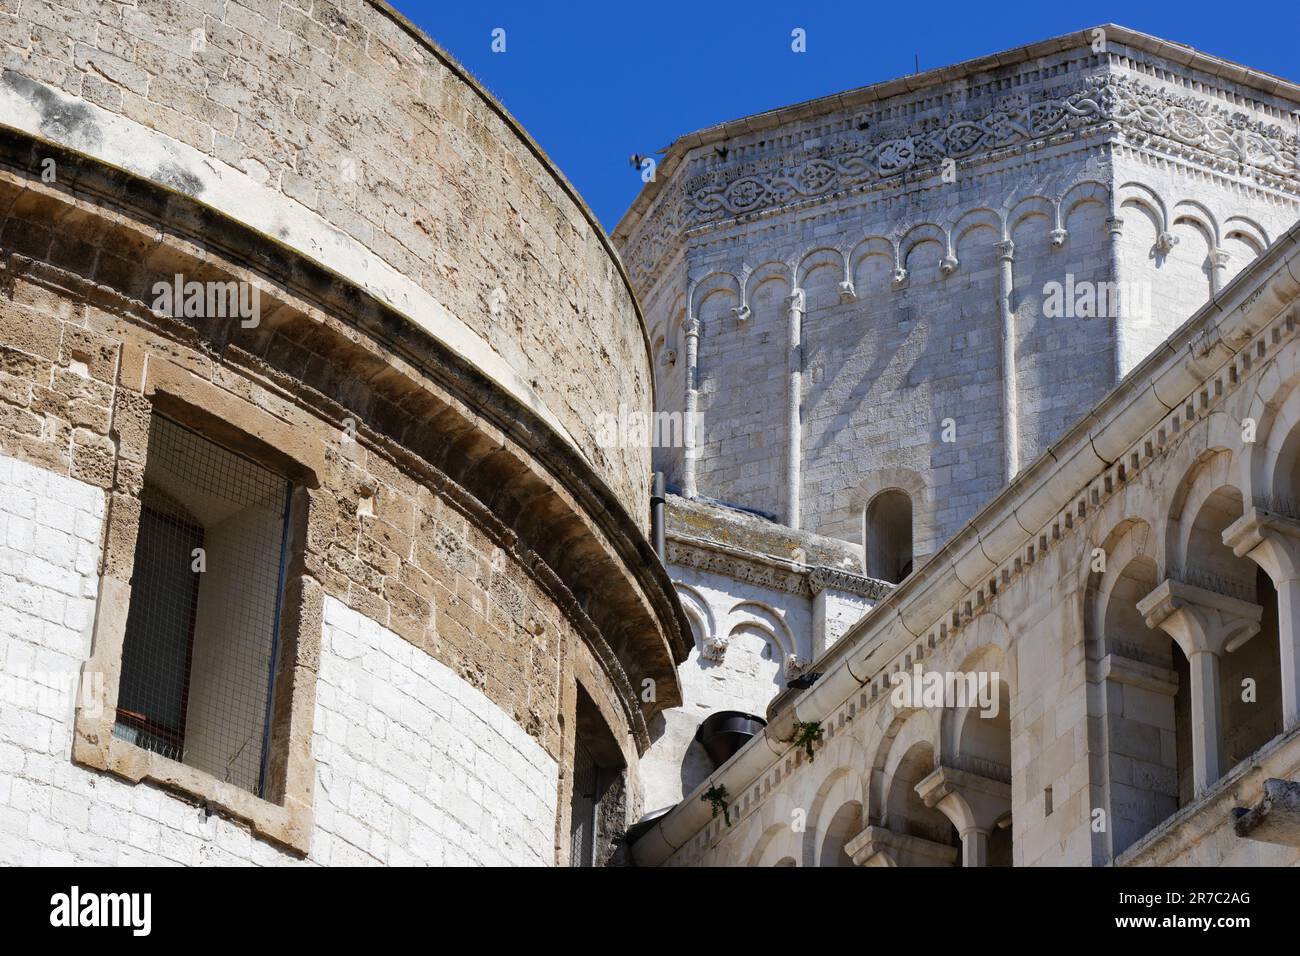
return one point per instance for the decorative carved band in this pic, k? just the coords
(852, 158)
(771, 573)
(763, 571)
(822, 578)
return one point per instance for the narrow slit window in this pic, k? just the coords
(202, 630)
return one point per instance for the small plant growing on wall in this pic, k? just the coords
(717, 798)
(807, 733)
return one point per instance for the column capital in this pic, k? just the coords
(879, 846)
(970, 801)
(691, 326)
(1115, 225)
(1269, 539)
(1200, 620)
(795, 300)
(1005, 249)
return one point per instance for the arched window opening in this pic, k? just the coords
(1141, 720)
(888, 536)
(1251, 685)
(984, 751)
(1250, 688)
(844, 826)
(906, 813)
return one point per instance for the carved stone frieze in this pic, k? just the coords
(1143, 113)
(767, 572)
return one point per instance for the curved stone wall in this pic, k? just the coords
(347, 135)
(468, 570)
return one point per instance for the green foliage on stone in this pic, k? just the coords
(807, 733)
(717, 798)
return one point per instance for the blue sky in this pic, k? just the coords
(594, 82)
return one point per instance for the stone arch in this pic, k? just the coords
(1249, 229)
(821, 275)
(974, 220)
(676, 339)
(873, 246)
(900, 729)
(840, 787)
(910, 482)
(1135, 195)
(770, 271)
(888, 547)
(1143, 698)
(1205, 501)
(920, 234)
(911, 761)
(1031, 207)
(698, 613)
(1268, 471)
(1080, 194)
(763, 620)
(714, 283)
(774, 843)
(989, 656)
(822, 257)
(1130, 539)
(870, 264)
(1199, 213)
(1242, 650)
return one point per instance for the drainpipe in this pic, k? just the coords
(1006, 251)
(657, 516)
(692, 330)
(794, 358)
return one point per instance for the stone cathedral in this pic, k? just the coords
(967, 531)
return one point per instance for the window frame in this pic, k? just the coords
(284, 814)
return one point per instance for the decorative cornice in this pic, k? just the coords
(776, 574)
(763, 571)
(852, 159)
(823, 578)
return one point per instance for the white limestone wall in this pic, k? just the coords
(751, 672)
(414, 766)
(1202, 212)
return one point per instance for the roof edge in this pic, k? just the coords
(1180, 53)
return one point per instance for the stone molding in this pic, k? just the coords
(823, 578)
(765, 571)
(1142, 113)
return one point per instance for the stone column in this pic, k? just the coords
(1114, 232)
(1273, 542)
(794, 304)
(690, 453)
(1207, 720)
(1218, 269)
(1205, 625)
(973, 803)
(1006, 251)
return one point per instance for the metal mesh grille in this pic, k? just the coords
(201, 632)
(582, 825)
